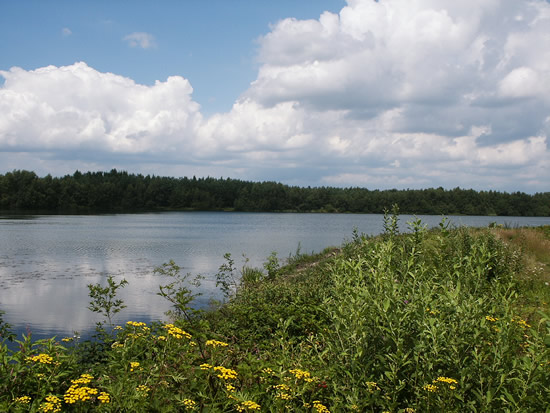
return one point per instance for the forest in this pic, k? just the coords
(120, 191)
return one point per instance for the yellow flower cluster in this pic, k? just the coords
(247, 405)
(142, 388)
(441, 379)
(283, 396)
(431, 388)
(216, 343)
(206, 366)
(268, 371)
(229, 387)
(226, 374)
(104, 397)
(23, 400)
(135, 324)
(67, 339)
(84, 379)
(79, 394)
(321, 408)
(52, 404)
(491, 319)
(522, 323)
(302, 374)
(189, 404)
(134, 365)
(41, 358)
(176, 331)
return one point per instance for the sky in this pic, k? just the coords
(377, 94)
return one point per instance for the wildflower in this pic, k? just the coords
(41, 358)
(447, 380)
(84, 379)
(75, 393)
(431, 388)
(117, 328)
(224, 373)
(23, 400)
(161, 338)
(189, 404)
(284, 387)
(321, 408)
(134, 365)
(283, 396)
(522, 323)
(247, 405)
(206, 366)
(143, 389)
(491, 319)
(229, 387)
(302, 374)
(177, 332)
(52, 404)
(67, 339)
(268, 371)
(104, 398)
(116, 344)
(135, 324)
(216, 343)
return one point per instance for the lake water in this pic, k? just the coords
(47, 261)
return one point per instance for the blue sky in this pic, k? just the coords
(387, 94)
(212, 43)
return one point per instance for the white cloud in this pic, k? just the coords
(66, 31)
(388, 94)
(140, 39)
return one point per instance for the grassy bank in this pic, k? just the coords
(448, 320)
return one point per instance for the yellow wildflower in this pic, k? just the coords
(321, 408)
(143, 389)
(75, 394)
(134, 365)
(23, 400)
(302, 374)
(135, 324)
(176, 331)
(247, 405)
(104, 397)
(491, 319)
(189, 404)
(224, 373)
(41, 358)
(52, 404)
(431, 388)
(216, 343)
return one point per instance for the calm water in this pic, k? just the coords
(46, 262)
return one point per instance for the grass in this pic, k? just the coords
(449, 320)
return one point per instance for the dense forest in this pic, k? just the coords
(119, 191)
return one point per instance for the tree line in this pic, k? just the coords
(120, 191)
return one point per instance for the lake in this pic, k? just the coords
(46, 261)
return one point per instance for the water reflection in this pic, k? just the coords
(46, 262)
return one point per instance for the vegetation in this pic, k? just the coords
(447, 320)
(116, 191)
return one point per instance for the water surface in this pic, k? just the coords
(46, 261)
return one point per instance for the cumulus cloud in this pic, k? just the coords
(140, 39)
(382, 94)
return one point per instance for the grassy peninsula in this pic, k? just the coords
(446, 320)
